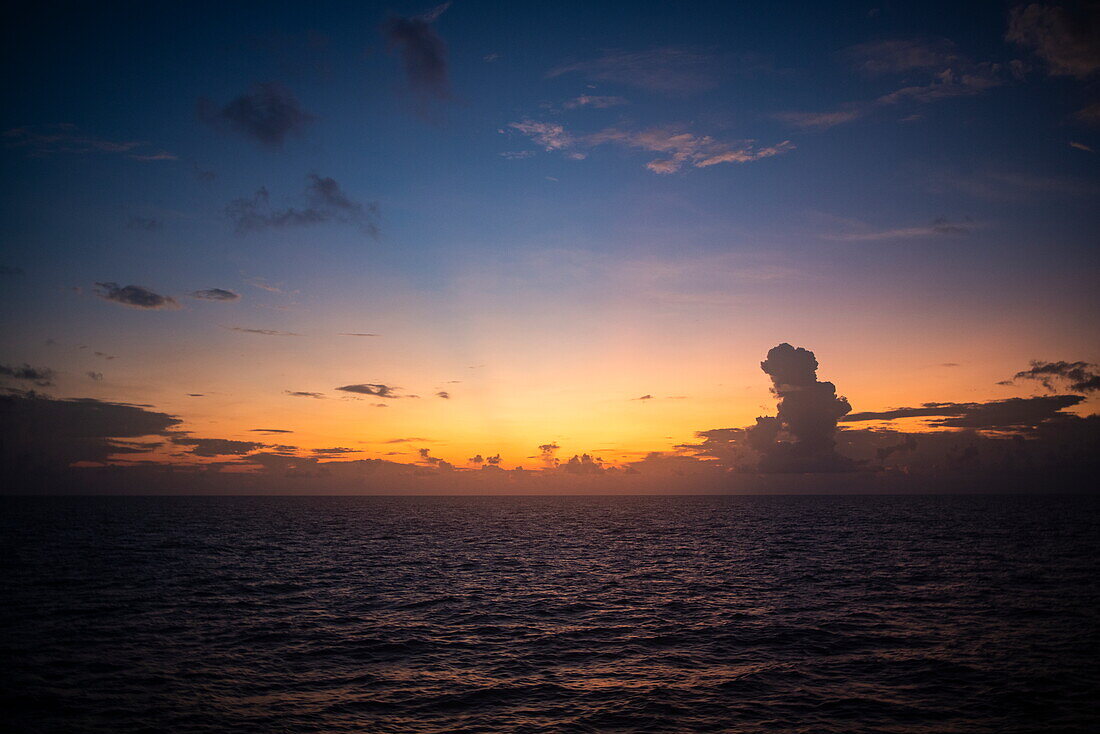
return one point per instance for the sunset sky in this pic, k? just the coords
(349, 231)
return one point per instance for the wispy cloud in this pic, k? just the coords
(947, 74)
(597, 101)
(679, 148)
(215, 294)
(304, 394)
(668, 70)
(262, 332)
(61, 138)
(939, 228)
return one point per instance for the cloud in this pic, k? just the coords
(267, 114)
(801, 438)
(97, 376)
(1067, 38)
(1010, 414)
(476, 459)
(682, 148)
(203, 174)
(356, 334)
(135, 296)
(145, 223)
(443, 394)
(517, 155)
(1088, 115)
(304, 394)
(1011, 186)
(821, 120)
(366, 388)
(597, 101)
(678, 148)
(1081, 146)
(897, 56)
(549, 135)
(423, 53)
(269, 430)
(62, 138)
(668, 70)
(946, 74)
(426, 457)
(939, 228)
(39, 436)
(325, 202)
(209, 447)
(40, 376)
(647, 396)
(1073, 376)
(546, 453)
(262, 332)
(215, 294)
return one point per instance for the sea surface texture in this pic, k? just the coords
(560, 614)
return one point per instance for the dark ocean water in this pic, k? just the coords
(597, 614)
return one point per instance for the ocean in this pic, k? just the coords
(550, 614)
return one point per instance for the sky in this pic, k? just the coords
(404, 247)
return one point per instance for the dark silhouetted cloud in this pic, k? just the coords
(262, 332)
(97, 376)
(366, 388)
(443, 394)
(304, 394)
(1066, 37)
(356, 334)
(325, 202)
(135, 296)
(1010, 414)
(40, 376)
(423, 53)
(801, 438)
(1072, 376)
(668, 70)
(647, 396)
(217, 446)
(215, 294)
(42, 435)
(267, 114)
(269, 430)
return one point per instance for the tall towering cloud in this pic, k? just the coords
(801, 437)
